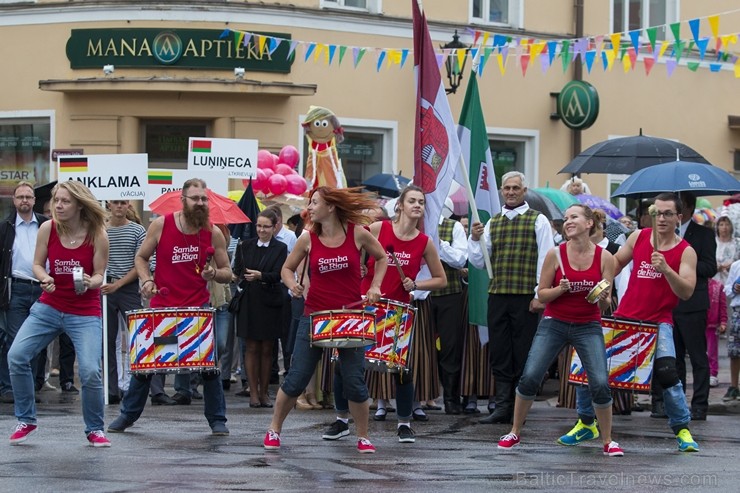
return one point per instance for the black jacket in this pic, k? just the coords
(703, 241)
(7, 236)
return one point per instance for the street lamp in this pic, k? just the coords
(454, 73)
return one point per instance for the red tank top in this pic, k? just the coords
(61, 262)
(180, 259)
(572, 306)
(335, 274)
(649, 297)
(409, 253)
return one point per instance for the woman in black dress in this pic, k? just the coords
(257, 264)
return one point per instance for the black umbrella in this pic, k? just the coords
(626, 155)
(43, 194)
(248, 205)
(539, 203)
(386, 184)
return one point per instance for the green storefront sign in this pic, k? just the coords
(578, 105)
(177, 48)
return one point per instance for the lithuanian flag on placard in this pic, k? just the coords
(160, 177)
(73, 164)
(201, 146)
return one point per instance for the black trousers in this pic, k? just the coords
(448, 324)
(511, 329)
(689, 336)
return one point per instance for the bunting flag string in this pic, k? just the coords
(628, 48)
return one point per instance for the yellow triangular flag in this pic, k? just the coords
(714, 24)
(616, 40)
(663, 47)
(262, 44)
(536, 49)
(461, 54)
(610, 55)
(485, 38)
(501, 67)
(394, 57)
(737, 69)
(626, 64)
(317, 51)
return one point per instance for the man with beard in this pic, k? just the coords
(180, 280)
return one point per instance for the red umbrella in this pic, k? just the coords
(222, 210)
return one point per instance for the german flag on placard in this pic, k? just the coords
(73, 164)
(160, 177)
(201, 146)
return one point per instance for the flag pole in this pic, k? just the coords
(474, 212)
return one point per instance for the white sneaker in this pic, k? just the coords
(47, 386)
(713, 382)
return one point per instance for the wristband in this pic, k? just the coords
(144, 283)
(415, 287)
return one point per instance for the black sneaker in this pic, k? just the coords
(69, 387)
(406, 434)
(336, 431)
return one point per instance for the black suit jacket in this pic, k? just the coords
(246, 257)
(703, 241)
(7, 237)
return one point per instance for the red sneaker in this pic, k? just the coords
(97, 439)
(612, 449)
(508, 442)
(22, 430)
(364, 446)
(272, 440)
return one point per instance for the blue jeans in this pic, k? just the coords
(404, 395)
(41, 327)
(551, 337)
(23, 296)
(305, 359)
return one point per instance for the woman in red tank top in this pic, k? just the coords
(569, 272)
(332, 249)
(75, 245)
(402, 237)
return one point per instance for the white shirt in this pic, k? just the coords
(542, 230)
(456, 254)
(732, 276)
(24, 247)
(286, 236)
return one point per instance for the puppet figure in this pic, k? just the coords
(323, 131)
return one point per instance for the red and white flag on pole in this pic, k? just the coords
(436, 145)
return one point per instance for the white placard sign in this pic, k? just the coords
(108, 176)
(235, 158)
(161, 180)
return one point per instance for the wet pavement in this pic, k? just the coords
(171, 449)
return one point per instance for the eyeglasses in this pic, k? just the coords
(666, 214)
(25, 197)
(197, 198)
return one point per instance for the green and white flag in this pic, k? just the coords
(477, 153)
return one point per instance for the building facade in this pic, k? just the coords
(109, 77)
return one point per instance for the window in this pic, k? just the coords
(369, 147)
(629, 15)
(497, 12)
(25, 152)
(366, 5)
(167, 143)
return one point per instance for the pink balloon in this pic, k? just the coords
(296, 184)
(284, 169)
(275, 159)
(264, 160)
(267, 172)
(260, 181)
(277, 184)
(289, 155)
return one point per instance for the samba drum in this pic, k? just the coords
(630, 351)
(171, 339)
(342, 328)
(593, 295)
(394, 324)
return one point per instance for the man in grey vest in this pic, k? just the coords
(517, 240)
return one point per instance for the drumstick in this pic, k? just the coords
(303, 271)
(391, 250)
(654, 216)
(560, 260)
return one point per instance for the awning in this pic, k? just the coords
(170, 84)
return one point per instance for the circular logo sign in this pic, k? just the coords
(167, 47)
(694, 177)
(578, 105)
